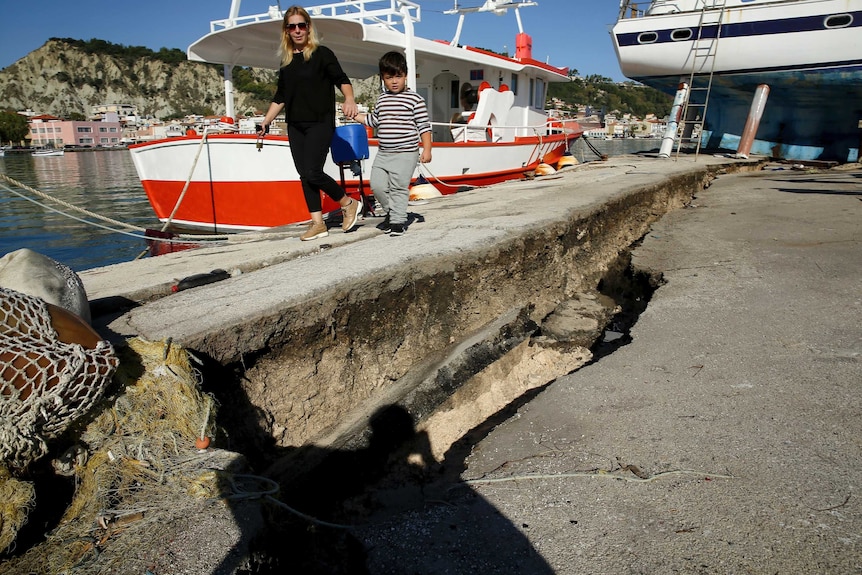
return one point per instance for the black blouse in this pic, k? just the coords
(307, 88)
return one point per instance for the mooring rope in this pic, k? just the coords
(600, 473)
(591, 146)
(424, 167)
(137, 231)
(65, 204)
(188, 181)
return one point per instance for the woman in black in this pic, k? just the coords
(308, 73)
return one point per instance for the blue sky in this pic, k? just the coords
(571, 33)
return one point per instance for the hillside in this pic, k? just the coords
(66, 77)
(602, 94)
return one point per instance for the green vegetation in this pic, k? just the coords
(13, 127)
(244, 81)
(128, 54)
(603, 93)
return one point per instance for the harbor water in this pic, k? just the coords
(102, 182)
(105, 183)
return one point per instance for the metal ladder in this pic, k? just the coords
(703, 49)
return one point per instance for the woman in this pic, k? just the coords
(308, 73)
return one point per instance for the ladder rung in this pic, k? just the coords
(702, 49)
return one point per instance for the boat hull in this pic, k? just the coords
(814, 72)
(224, 184)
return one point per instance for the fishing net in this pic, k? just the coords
(16, 500)
(142, 466)
(46, 383)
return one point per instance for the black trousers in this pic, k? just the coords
(309, 144)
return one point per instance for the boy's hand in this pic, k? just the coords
(425, 156)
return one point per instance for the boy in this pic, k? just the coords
(401, 119)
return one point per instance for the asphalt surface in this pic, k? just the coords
(726, 437)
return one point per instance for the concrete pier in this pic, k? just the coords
(721, 439)
(325, 332)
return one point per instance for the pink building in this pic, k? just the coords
(51, 131)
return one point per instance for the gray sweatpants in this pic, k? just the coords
(390, 182)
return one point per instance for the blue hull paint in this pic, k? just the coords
(810, 114)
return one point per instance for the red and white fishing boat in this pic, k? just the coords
(221, 182)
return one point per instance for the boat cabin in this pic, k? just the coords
(440, 71)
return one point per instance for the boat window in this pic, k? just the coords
(540, 94)
(513, 84)
(681, 34)
(647, 37)
(532, 92)
(838, 21)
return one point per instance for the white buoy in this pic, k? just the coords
(422, 191)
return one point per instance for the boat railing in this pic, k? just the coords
(502, 133)
(633, 8)
(386, 13)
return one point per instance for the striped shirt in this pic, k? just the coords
(400, 119)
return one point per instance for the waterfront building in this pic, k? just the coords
(50, 131)
(125, 112)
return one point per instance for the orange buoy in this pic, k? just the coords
(202, 442)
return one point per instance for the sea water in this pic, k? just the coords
(102, 182)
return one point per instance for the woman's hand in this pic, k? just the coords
(348, 108)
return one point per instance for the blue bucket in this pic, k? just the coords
(349, 143)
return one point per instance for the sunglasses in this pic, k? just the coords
(300, 25)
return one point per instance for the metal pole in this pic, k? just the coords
(228, 91)
(673, 121)
(410, 48)
(753, 121)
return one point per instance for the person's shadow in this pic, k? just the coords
(387, 507)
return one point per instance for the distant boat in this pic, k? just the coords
(47, 152)
(809, 53)
(229, 184)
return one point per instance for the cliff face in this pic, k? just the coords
(59, 79)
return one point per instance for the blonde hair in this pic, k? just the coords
(286, 48)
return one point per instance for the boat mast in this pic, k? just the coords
(498, 7)
(228, 68)
(409, 48)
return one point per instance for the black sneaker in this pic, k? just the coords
(384, 225)
(397, 230)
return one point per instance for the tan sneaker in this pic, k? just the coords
(315, 231)
(351, 215)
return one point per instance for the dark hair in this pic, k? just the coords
(393, 63)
